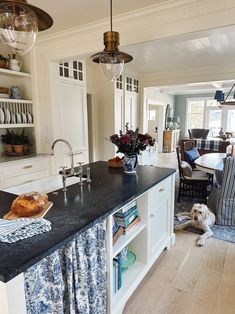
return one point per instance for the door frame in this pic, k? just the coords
(161, 122)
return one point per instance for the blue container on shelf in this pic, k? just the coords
(15, 92)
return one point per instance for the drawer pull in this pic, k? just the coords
(161, 189)
(27, 167)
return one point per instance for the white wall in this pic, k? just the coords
(172, 18)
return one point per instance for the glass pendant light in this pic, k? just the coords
(20, 23)
(111, 60)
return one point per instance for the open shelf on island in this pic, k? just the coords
(124, 240)
(130, 278)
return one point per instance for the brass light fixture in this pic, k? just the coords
(111, 59)
(20, 23)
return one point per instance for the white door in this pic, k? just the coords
(156, 123)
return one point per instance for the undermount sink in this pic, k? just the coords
(44, 185)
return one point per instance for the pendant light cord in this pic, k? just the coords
(111, 15)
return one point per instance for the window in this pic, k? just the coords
(195, 114)
(72, 69)
(205, 113)
(230, 120)
(214, 121)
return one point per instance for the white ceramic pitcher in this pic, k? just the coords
(15, 65)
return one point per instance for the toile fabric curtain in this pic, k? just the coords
(72, 280)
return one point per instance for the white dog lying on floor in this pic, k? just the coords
(201, 218)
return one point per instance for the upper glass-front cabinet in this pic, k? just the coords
(72, 70)
(132, 84)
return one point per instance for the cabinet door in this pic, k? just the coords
(131, 110)
(158, 225)
(119, 125)
(74, 115)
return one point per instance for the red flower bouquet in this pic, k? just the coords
(132, 142)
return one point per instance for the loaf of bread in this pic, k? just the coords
(116, 162)
(29, 204)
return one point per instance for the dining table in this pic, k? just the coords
(210, 162)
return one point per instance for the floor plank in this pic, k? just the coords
(188, 280)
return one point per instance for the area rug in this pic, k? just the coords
(225, 233)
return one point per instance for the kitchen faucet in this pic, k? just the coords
(65, 175)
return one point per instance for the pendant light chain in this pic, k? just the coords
(111, 15)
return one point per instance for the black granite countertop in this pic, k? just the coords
(75, 212)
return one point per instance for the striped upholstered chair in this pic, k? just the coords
(222, 198)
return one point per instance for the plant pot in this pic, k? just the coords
(130, 164)
(18, 149)
(25, 149)
(8, 148)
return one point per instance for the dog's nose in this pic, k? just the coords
(195, 218)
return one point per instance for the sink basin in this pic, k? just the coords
(44, 185)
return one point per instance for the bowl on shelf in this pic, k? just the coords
(4, 90)
(131, 258)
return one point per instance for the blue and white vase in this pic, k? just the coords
(130, 164)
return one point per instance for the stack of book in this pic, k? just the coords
(117, 273)
(127, 217)
(117, 230)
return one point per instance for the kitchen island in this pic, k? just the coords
(81, 208)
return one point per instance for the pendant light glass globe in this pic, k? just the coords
(18, 27)
(112, 65)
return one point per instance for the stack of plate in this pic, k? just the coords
(4, 95)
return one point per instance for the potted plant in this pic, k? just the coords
(21, 142)
(8, 140)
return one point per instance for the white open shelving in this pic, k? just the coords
(18, 125)
(14, 73)
(130, 278)
(124, 240)
(146, 240)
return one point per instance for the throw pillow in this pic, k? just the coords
(186, 169)
(191, 156)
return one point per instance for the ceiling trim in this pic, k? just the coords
(151, 10)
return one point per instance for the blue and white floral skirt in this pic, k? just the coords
(72, 280)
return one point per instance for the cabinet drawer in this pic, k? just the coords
(25, 167)
(160, 191)
(9, 182)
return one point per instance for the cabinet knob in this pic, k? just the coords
(161, 189)
(151, 215)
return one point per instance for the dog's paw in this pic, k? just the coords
(200, 241)
(177, 227)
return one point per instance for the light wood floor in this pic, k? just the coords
(188, 280)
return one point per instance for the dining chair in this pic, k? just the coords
(222, 199)
(192, 183)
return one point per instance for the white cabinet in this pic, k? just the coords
(24, 170)
(146, 240)
(128, 87)
(70, 114)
